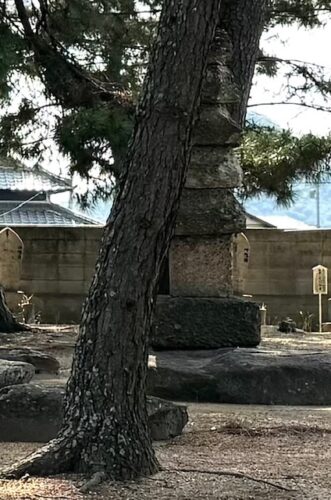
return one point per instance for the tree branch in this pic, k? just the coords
(74, 87)
(281, 103)
(24, 18)
(265, 58)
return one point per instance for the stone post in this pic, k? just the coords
(200, 311)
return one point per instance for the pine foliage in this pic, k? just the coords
(81, 64)
(273, 160)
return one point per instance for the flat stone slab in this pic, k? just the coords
(205, 323)
(43, 363)
(30, 412)
(15, 372)
(242, 376)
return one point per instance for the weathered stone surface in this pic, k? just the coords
(11, 254)
(213, 167)
(205, 323)
(166, 419)
(215, 156)
(216, 127)
(14, 372)
(243, 376)
(221, 49)
(201, 266)
(218, 86)
(287, 325)
(43, 363)
(241, 258)
(30, 412)
(209, 212)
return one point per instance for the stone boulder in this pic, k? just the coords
(30, 412)
(15, 372)
(43, 363)
(242, 376)
(166, 419)
(287, 326)
(205, 323)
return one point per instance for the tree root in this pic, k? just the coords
(64, 455)
(239, 475)
(54, 458)
(8, 322)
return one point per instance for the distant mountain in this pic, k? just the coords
(305, 208)
(261, 120)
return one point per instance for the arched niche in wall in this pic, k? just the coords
(241, 256)
(11, 255)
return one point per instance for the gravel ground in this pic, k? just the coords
(281, 452)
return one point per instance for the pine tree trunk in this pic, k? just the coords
(8, 323)
(243, 21)
(105, 421)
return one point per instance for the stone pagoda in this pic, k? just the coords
(196, 307)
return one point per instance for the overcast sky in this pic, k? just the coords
(290, 43)
(306, 45)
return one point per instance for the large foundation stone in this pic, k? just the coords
(205, 323)
(242, 376)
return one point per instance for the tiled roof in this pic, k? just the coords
(19, 178)
(40, 213)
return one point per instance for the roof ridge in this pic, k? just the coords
(33, 214)
(17, 176)
(53, 176)
(76, 214)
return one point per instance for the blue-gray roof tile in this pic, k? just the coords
(40, 213)
(35, 180)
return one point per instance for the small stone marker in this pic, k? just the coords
(11, 254)
(320, 287)
(241, 256)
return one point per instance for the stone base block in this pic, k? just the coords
(205, 323)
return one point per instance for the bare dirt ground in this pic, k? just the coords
(273, 339)
(227, 451)
(281, 453)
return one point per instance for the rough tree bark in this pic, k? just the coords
(243, 23)
(8, 323)
(105, 421)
